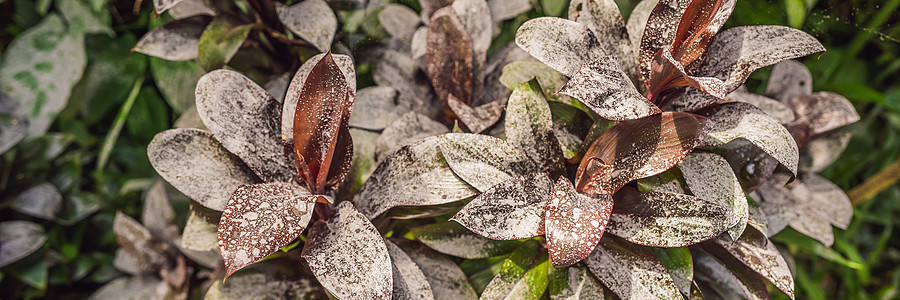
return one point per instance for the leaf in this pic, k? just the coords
(507, 9)
(729, 121)
(220, 41)
(363, 163)
(522, 276)
(199, 235)
(12, 130)
(823, 150)
(446, 279)
(758, 253)
(81, 18)
(158, 215)
(574, 223)
(551, 81)
(700, 21)
(637, 22)
(789, 79)
(483, 161)
(312, 20)
(405, 130)
(630, 271)
(376, 108)
(175, 40)
(268, 280)
(454, 239)
(603, 18)
(450, 58)
(277, 86)
(560, 44)
(260, 219)
(348, 256)
(292, 95)
(776, 109)
(553, 8)
(606, 89)
(399, 71)
(136, 287)
(476, 119)
(198, 166)
(42, 201)
(818, 113)
(149, 253)
(409, 281)
(723, 276)
(429, 7)
(529, 125)
(638, 148)
(680, 265)
(661, 219)
(19, 239)
(161, 6)
(709, 177)
(189, 8)
(672, 75)
(739, 51)
(244, 118)
(574, 283)
(476, 18)
(40, 66)
(176, 81)
(399, 21)
(659, 31)
(416, 174)
(322, 113)
(513, 209)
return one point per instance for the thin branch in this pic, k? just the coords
(883, 179)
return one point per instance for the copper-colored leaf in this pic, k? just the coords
(513, 209)
(603, 87)
(574, 223)
(450, 57)
(663, 219)
(701, 20)
(659, 31)
(668, 74)
(321, 115)
(260, 219)
(639, 148)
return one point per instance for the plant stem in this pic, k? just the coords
(113, 134)
(875, 184)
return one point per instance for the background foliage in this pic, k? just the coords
(95, 151)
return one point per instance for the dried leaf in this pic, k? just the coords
(198, 166)
(476, 119)
(260, 219)
(729, 121)
(606, 89)
(513, 209)
(483, 161)
(409, 281)
(139, 243)
(312, 20)
(789, 79)
(820, 112)
(574, 223)
(450, 57)
(158, 215)
(220, 41)
(175, 40)
(661, 219)
(245, 119)
(760, 254)
(574, 283)
(136, 287)
(417, 175)
(710, 177)
(19, 239)
(522, 276)
(162, 5)
(292, 96)
(447, 280)
(399, 21)
(454, 239)
(603, 18)
(560, 44)
(405, 130)
(348, 256)
(638, 148)
(724, 277)
(42, 201)
(630, 271)
(776, 109)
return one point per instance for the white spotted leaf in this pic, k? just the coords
(662, 219)
(513, 209)
(606, 89)
(574, 222)
(630, 271)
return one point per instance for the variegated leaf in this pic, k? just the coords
(530, 126)
(823, 150)
(136, 287)
(476, 18)
(659, 31)
(606, 89)
(551, 81)
(574, 223)
(637, 21)
(268, 280)
(447, 280)
(560, 44)
(522, 276)
(729, 121)
(661, 219)
(483, 161)
(454, 239)
(789, 79)
(405, 130)
(175, 40)
(709, 177)
(513, 209)
(312, 20)
(574, 283)
(630, 271)
(507, 9)
(603, 18)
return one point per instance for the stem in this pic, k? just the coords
(113, 135)
(323, 211)
(883, 179)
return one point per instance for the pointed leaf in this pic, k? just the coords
(630, 271)
(606, 89)
(709, 177)
(19, 239)
(789, 79)
(260, 219)
(43, 201)
(551, 81)
(399, 20)
(659, 31)
(483, 161)
(725, 277)
(662, 219)
(820, 112)
(139, 243)
(476, 18)
(574, 283)
(513, 209)
(637, 21)
(603, 18)
(669, 74)
(175, 40)
(701, 20)
(522, 276)
(198, 166)
(220, 41)
(312, 20)
(158, 215)
(476, 119)
(574, 223)
(405, 130)
(447, 280)
(245, 119)
(760, 254)
(560, 44)
(348, 256)
(292, 95)
(729, 121)
(409, 281)
(450, 57)
(454, 239)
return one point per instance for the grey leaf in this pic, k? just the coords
(823, 111)
(659, 31)
(399, 71)
(158, 215)
(375, 108)
(162, 5)
(447, 280)
(127, 263)
(407, 129)
(630, 271)
(409, 281)
(637, 21)
(483, 161)
(454, 239)
(476, 17)
(530, 126)
(134, 288)
(12, 130)
(513, 209)
(399, 21)
(188, 8)
(312, 20)
(709, 176)
(774, 108)
(789, 79)
(80, 17)
(277, 86)
(603, 18)
(661, 219)
(603, 87)
(760, 254)
(560, 44)
(277, 279)
(476, 119)
(724, 277)
(824, 200)
(43, 201)
(574, 283)
(823, 150)
(507, 9)
(176, 40)
(19, 239)
(135, 239)
(199, 235)
(729, 121)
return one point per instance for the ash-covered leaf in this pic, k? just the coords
(659, 31)
(789, 79)
(668, 73)
(560, 44)
(661, 219)
(454, 239)
(158, 215)
(507, 9)
(348, 256)
(776, 109)
(606, 89)
(260, 219)
(760, 254)
(513, 209)
(680, 265)
(724, 277)
(187, 8)
(245, 119)
(274, 279)
(574, 283)
(551, 81)
(630, 271)
(450, 57)
(175, 40)
(729, 121)
(637, 21)
(823, 150)
(125, 262)
(523, 275)
(292, 96)
(399, 71)
(603, 18)
(574, 222)
(220, 41)
(529, 125)
(446, 279)
(199, 235)
(376, 108)
(405, 130)
(409, 281)
(277, 87)
(476, 119)
(429, 7)
(751, 165)
(42, 201)
(821, 199)
(709, 177)
(135, 287)
(417, 175)
(312, 20)
(135, 239)
(198, 166)
(820, 112)
(19, 239)
(483, 161)
(638, 148)
(161, 6)
(399, 21)
(12, 129)
(476, 18)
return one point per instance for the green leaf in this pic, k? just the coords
(796, 12)
(554, 7)
(523, 275)
(679, 264)
(148, 117)
(112, 71)
(82, 19)
(176, 80)
(220, 41)
(454, 239)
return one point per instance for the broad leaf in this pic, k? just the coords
(818, 113)
(454, 239)
(603, 18)
(476, 18)
(245, 119)
(529, 125)
(659, 31)
(606, 89)
(409, 281)
(724, 277)
(176, 81)
(399, 21)
(175, 40)
(268, 280)
(522, 276)
(574, 222)
(507, 9)
(260, 219)
(789, 79)
(823, 150)
(187, 8)
(136, 287)
(220, 41)
(476, 119)
(630, 271)
(663, 219)
(312, 20)
(292, 95)
(574, 283)
(560, 44)
(405, 130)
(776, 109)
(158, 215)
(450, 58)
(551, 81)
(376, 108)
(12, 130)
(135, 239)
(19, 239)
(348, 256)
(447, 280)
(709, 177)
(199, 235)
(82, 18)
(416, 174)
(43, 201)
(760, 254)
(638, 148)
(161, 6)
(399, 71)
(198, 166)
(513, 209)
(483, 161)
(680, 265)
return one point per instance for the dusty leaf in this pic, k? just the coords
(135, 287)
(776, 109)
(476, 119)
(199, 235)
(187, 8)
(375, 108)
(277, 86)
(661, 219)
(630, 271)
(551, 81)
(560, 44)
(198, 166)
(659, 31)
(756, 251)
(43, 201)
(450, 57)
(175, 40)
(399, 71)
(507, 9)
(454, 239)
(135, 239)
(409, 281)
(158, 215)
(312, 20)
(245, 119)
(447, 280)
(513, 209)
(292, 95)
(348, 256)
(399, 20)
(19, 239)
(637, 22)
(709, 177)
(523, 275)
(818, 113)
(273, 279)
(725, 277)
(680, 265)
(789, 79)
(603, 18)
(429, 7)
(529, 125)
(161, 6)
(669, 74)
(574, 283)
(483, 161)
(823, 150)
(220, 41)
(574, 222)
(405, 130)
(606, 89)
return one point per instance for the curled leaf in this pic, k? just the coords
(574, 222)
(513, 209)
(606, 89)
(176, 40)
